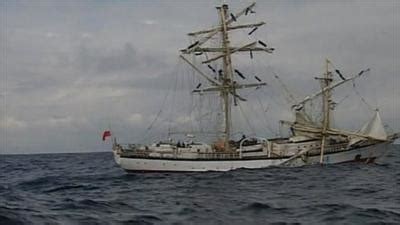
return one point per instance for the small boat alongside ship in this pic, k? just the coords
(310, 141)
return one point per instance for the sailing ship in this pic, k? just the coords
(309, 142)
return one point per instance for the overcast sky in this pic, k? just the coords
(69, 69)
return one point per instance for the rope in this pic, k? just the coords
(158, 115)
(264, 111)
(370, 107)
(246, 119)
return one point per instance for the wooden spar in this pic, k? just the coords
(246, 26)
(254, 49)
(204, 31)
(221, 88)
(228, 51)
(227, 76)
(309, 98)
(302, 152)
(228, 28)
(326, 107)
(237, 86)
(203, 40)
(332, 131)
(321, 160)
(213, 82)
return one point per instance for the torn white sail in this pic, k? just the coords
(374, 128)
(303, 118)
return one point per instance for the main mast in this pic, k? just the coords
(225, 84)
(227, 75)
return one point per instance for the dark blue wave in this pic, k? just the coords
(91, 189)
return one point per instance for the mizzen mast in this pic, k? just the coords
(326, 108)
(326, 82)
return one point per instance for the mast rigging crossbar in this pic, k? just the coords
(254, 49)
(228, 28)
(230, 52)
(309, 98)
(237, 15)
(237, 86)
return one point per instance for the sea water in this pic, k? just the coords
(89, 188)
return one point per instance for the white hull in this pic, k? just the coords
(367, 154)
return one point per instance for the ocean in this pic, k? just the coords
(89, 188)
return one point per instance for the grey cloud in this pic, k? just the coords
(109, 61)
(72, 68)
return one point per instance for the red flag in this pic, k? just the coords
(106, 134)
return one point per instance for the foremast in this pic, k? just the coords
(226, 85)
(227, 75)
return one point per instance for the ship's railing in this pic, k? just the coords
(336, 147)
(263, 140)
(135, 152)
(219, 155)
(129, 146)
(315, 149)
(330, 148)
(201, 155)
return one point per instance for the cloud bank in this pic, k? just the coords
(70, 69)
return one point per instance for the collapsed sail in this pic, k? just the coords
(302, 119)
(374, 128)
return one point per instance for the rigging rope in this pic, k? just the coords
(289, 97)
(264, 111)
(246, 119)
(370, 107)
(158, 115)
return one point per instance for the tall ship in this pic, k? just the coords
(310, 140)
